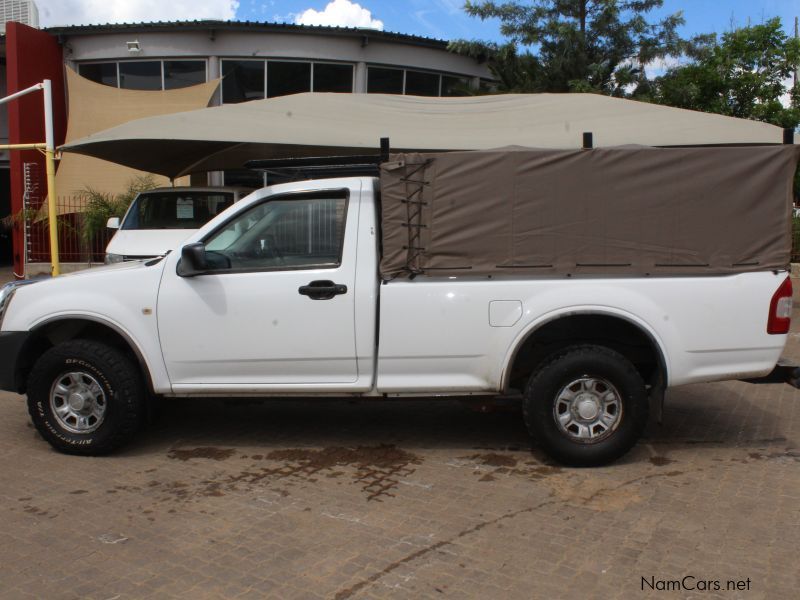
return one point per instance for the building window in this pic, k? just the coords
(333, 78)
(422, 84)
(454, 86)
(384, 81)
(105, 73)
(144, 75)
(243, 80)
(183, 73)
(284, 78)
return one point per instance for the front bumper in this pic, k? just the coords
(784, 372)
(11, 344)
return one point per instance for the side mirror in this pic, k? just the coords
(193, 260)
(113, 223)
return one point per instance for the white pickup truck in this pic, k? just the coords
(284, 294)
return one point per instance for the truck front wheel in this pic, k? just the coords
(85, 397)
(587, 406)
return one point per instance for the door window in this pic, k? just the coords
(285, 233)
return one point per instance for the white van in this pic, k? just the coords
(160, 219)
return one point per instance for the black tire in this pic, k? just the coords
(98, 367)
(586, 367)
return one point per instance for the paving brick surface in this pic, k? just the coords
(405, 499)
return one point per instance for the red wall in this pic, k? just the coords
(31, 56)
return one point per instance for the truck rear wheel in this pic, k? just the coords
(85, 397)
(587, 406)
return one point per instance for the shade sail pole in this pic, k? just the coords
(49, 148)
(50, 163)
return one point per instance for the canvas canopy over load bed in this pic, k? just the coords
(621, 211)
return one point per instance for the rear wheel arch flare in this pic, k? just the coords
(620, 332)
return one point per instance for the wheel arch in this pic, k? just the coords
(616, 329)
(62, 328)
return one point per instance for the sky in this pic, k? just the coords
(442, 19)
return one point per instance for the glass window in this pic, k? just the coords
(182, 209)
(105, 73)
(140, 75)
(284, 78)
(384, 81)
(422, 84)
(183, 73)
(243, 80)
(282, 234)
(333, 78)
(455, 86)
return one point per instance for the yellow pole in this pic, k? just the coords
(52, 211)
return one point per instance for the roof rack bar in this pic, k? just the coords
(322, 161)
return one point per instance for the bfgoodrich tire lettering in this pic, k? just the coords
(587, 406)
(93, 372)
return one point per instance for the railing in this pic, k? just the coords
(73, 244)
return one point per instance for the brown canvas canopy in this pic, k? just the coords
(628, 210)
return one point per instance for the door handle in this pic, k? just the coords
(322, 289)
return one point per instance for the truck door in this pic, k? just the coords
(275, 308)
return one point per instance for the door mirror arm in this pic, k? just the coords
(193, 260)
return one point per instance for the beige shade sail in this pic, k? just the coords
(628, 211)
(310, 124)
(94, 107)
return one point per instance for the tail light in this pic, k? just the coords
(780, 309)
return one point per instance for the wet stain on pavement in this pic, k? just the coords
(203, 452)
(660, 461)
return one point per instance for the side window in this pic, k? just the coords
(281, 234)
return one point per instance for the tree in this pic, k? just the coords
(576, 45)
(742, 75)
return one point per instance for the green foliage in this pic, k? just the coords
(101, 206)
(741, 75)
(577, 45)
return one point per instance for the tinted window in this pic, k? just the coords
(283, 234)
(183, 73)
(284, 78)
(455, 86)
(384, 81)
(242, 80)
(105, 73)
(422, 84)
(333, 78)
(175, 210)
(140, 75)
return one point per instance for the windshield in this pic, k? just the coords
(179, 209)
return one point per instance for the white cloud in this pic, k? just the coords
(342, 13)
(85, 12)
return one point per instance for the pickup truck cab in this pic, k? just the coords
(158, 220)
(280, 295)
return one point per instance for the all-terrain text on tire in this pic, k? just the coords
(85, 397)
